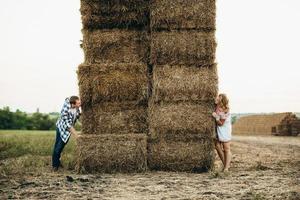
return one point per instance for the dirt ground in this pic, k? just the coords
(263, 167)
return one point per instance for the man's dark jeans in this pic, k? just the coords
(58, 148)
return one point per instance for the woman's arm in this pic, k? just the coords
(220, 122)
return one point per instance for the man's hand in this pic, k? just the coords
(74, 132)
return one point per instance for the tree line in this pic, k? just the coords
(24, 121)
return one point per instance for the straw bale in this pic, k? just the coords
(113, 82)
(182, 83)
(182, 117)
(112, 153)
(188, 152)
(101, 14)
(85, 92)
(182, 48)
(115, 118)
(115, 46)
(258, 124)
(183, 14)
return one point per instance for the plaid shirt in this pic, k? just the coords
(66, 120)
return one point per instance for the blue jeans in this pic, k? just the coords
(58, 148)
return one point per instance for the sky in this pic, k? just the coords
(258, 54)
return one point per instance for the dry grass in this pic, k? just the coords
(113, 82)
(31, 176)
(181, 118)
(114, 14)
(182, 48)
(183, 14)
(180, 152)
(182, 83)
(112, 153)
(115, 118)
(115, 46)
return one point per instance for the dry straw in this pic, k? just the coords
(259, 124)
(182, 83)
(113, 82)
(115, 118)
(116, 45)
(112, 153)
(183, 14)
(181, 117)
(190, 153)
(182, 48)
(97, 14)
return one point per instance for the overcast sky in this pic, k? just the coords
(258, 53)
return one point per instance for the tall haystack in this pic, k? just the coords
(267, 124)
(113, 85)
(147, 85)
(185, 83)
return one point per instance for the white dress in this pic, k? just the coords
(224, 131)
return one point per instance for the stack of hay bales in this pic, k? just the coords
(113, 86)
(284, 124)
(289, 126)
(185, 83)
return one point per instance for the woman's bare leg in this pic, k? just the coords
(227, 155)
(220, 152)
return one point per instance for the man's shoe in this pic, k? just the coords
(55, 169)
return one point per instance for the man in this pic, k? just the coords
(70, 113)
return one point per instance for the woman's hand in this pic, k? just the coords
(220, 122)
(216, 116)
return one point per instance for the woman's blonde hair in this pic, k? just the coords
(224, 102)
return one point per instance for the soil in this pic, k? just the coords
(263, 167)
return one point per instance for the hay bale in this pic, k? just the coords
(85, 92)
(260, 124)
(115, 118)
(113, 82)
(181, 118)
(183, 14)
(111, 46)
(190, 153)
(99, 14)
(182, 83)
(182, 48)
(112, 153)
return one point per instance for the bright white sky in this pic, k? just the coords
(258, 53)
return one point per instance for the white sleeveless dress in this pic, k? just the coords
(224, 131)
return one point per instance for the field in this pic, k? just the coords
(263, 167)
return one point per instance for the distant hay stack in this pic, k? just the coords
(267, 124)
(185, 83)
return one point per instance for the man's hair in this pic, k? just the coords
(73, 99)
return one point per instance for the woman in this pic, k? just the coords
(223, 120)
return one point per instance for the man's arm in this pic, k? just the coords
(73, 131)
